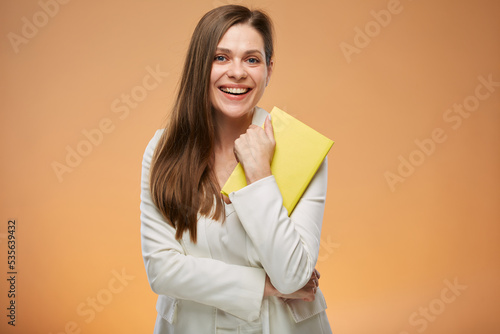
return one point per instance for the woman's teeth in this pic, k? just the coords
(234, 91)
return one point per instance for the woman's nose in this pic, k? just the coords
(237, 70)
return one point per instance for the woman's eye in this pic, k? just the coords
(220, 58)
(253, 60)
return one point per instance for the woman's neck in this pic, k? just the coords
(229, 129)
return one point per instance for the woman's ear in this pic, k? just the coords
(270, 68)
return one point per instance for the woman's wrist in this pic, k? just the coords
(269, 289)
(255, 176)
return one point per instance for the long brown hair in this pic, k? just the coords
(182, 179)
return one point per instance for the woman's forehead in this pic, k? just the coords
(242, 36)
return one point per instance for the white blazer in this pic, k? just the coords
(217, 284)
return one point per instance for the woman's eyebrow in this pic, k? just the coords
(224, 50)
(253, 51)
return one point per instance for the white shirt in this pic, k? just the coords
(216, 285)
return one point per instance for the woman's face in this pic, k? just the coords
(239, 72)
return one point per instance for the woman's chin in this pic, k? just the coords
(235, 111)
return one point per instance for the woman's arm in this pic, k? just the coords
(235, 289)
(288, 247)
(307, 293)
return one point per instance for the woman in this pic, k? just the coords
(237, 264)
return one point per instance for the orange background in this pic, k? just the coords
(386, 253)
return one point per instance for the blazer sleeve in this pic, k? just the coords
(235, 289)
(287, 247)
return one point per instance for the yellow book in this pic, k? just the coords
(299, 152)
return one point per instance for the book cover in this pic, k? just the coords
(299, 152)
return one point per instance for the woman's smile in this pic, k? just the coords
(234, 90)
(233, 93)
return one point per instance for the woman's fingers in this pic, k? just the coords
(255, 150)
(268, 127)
(317, 273)
(308, 292)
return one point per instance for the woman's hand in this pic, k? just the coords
(307, 293)
(255, 150)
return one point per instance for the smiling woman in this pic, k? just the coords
(240, 73)
(236, 264)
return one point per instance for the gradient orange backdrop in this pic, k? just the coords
(414, 176)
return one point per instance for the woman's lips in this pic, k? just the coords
(235, 90)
